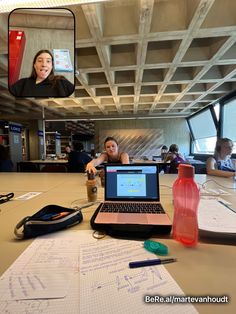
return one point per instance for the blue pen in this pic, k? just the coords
(151, 262)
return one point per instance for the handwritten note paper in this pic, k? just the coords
(108, 285)
(56, 254)
(40, 285)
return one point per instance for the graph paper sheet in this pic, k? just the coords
(108, 285)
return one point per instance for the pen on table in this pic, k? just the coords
(226, 205)
(151, 262)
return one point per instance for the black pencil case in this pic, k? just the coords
(50, 218)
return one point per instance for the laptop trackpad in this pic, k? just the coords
(132, 218)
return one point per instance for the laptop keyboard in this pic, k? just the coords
(143, 208)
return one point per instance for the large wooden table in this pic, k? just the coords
(208, 269)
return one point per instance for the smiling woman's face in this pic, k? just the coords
(43, 66)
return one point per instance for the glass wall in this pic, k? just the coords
(217, 120)
(203, 128)
(228, 121)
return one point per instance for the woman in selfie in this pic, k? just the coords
(42, 81)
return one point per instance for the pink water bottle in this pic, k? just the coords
(186, 197)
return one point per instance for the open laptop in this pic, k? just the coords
(132, 196)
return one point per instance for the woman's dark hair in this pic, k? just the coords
(164, 147)
(51, 76)
(174, 148)
(110, 138)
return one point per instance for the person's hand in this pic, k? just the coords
(90, 168)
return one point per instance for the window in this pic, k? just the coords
(228, 124)
(202, 127)
(217, 111)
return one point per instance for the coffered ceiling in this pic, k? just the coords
(138, 58)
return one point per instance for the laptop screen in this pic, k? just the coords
(132, 182)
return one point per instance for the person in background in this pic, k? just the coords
(173, 155)
(221, 164)
(111, 155)
(163, 167)
(174, 158)
(67, 151)
(78, 159)
(42, 81)
(164, 151)
(5, 161)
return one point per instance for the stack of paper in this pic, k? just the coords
(70, 272)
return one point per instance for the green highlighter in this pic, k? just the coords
(156, 247)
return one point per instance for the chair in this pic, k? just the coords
(27, 167)
(163, 167)
(156, 158)
(173, 167)
(200, 168)
(78, 167)
(54, 168)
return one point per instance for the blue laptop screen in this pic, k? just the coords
(131, 182)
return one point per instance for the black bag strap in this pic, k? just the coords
(6, 197)
(19, 234)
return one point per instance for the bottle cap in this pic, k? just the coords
(156, 247)
(90, 175)
(186, 171)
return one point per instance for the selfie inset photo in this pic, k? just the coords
(41, 53)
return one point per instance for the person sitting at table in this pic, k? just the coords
(220, 164)
(174, 158)
(163, 167)
(6, 164)
(77, 158)
(111, 155)
(42, 81)
(67, 151)
(173, 155)
(164, 151)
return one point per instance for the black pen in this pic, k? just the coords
(227, 206)
(151, 262)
